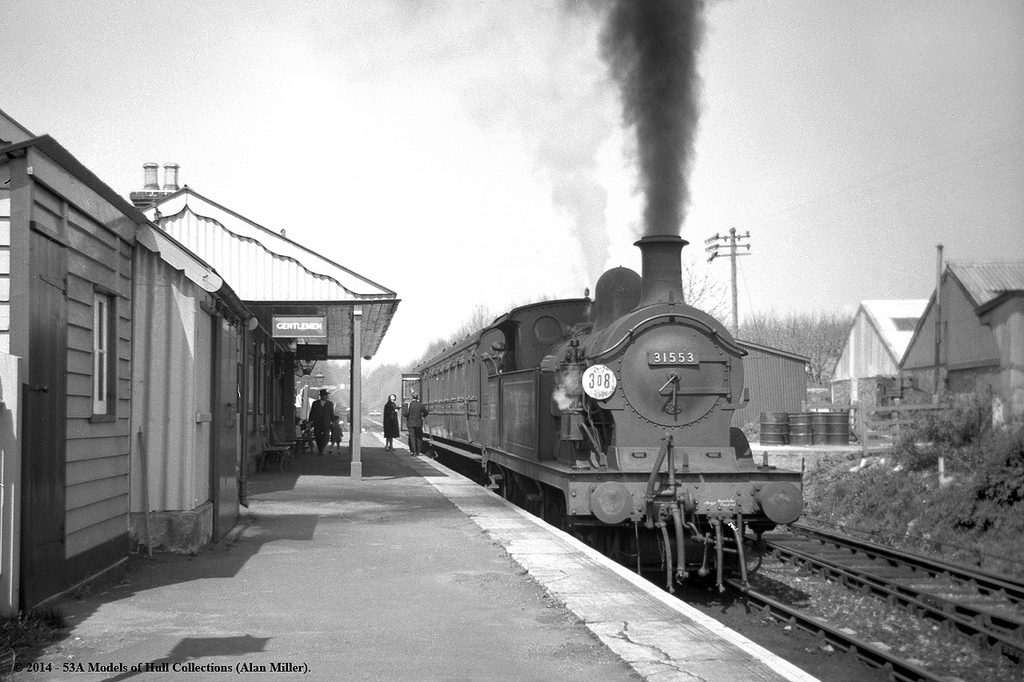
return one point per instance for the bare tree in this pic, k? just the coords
(703, 291)
(479, 318)
(818, 336)
(700, 290)
(379, 383)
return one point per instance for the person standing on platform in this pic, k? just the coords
(414, 413)
(320, 414)
(336, 432)
(391, 428)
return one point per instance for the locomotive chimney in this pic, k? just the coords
(662, 275)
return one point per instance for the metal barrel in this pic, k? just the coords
(801, 428)
(774, 428)
(831, 428)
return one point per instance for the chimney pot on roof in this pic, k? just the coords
(171, 177)
(149, 179)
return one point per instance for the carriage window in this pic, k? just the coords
(104, 354)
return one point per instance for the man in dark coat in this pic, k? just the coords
(414, 413)
(320, 414)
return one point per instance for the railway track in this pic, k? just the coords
(897, 667)
(986, 608)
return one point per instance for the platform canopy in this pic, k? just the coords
(280, 280)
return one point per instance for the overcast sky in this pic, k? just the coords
(472, 152)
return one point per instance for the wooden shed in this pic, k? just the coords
(969, 339)
(66, 311)
(868, 366)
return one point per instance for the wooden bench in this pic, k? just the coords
(282, 454)
(300, 444)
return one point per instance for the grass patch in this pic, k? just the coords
(30, 630)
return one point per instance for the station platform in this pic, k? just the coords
(412, 573)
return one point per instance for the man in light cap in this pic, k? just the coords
(320, 414)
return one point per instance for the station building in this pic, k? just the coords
(138, 380)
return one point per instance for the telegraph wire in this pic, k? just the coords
(983, 147)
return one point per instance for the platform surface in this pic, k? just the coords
(412, 573)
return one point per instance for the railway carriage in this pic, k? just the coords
(611, 419)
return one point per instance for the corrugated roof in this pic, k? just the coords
(986, 281)
(750, 345)
(273, 275)
(179, 258)
(260, 264)
(895, 321)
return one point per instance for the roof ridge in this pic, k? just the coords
(263, 246)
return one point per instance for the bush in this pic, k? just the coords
(958, 424)
(948, 433)
(1000, 478)
(977, 515)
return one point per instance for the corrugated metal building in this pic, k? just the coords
(183, 446)
(776, 380)
(977, 310)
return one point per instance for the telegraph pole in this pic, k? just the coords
(730, 241)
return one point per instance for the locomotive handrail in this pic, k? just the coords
(727, 343)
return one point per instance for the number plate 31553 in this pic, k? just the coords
(672, 357)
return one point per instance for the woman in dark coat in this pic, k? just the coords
(391, 430)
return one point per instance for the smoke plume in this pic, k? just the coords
(651, 50)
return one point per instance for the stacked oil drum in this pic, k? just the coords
(805, 428)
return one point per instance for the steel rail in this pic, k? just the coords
(987, 583)
(897, 668)
(964, 615)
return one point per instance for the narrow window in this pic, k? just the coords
(103, 354)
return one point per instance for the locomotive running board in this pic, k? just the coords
(444, 445)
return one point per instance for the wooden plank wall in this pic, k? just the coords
(97, 450)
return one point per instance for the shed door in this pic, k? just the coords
(43, 427)
(224, 454)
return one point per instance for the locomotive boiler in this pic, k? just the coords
(610, 418)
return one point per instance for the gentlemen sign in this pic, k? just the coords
(300, 326)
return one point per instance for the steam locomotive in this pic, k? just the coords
(610, 418)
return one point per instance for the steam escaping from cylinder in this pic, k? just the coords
(651, 49)
(567, 392)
